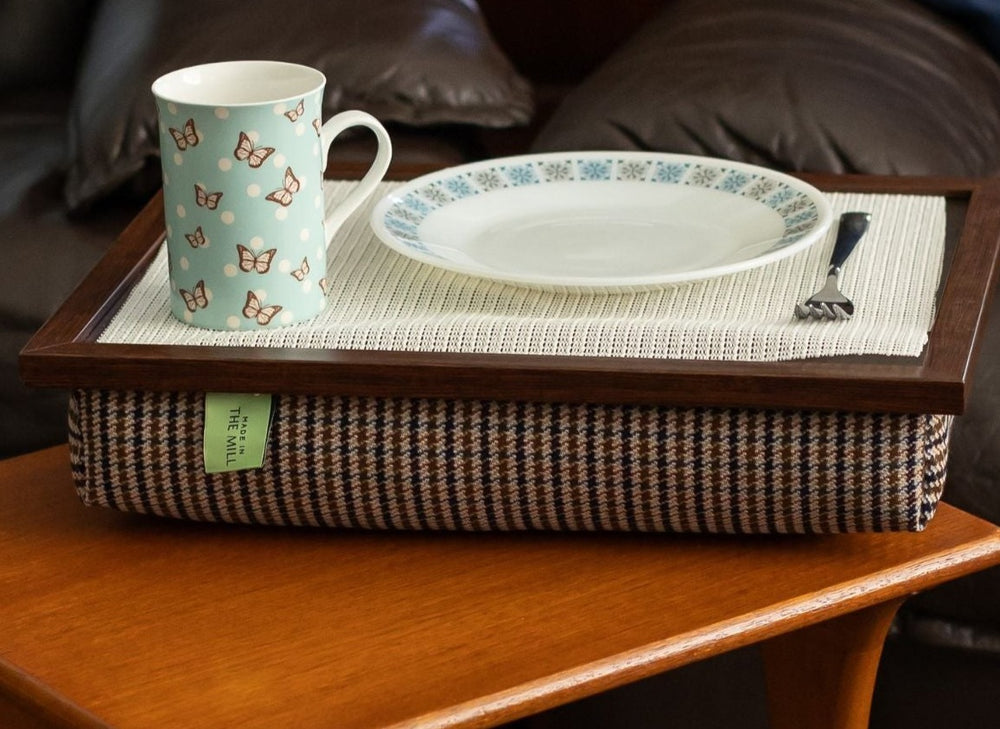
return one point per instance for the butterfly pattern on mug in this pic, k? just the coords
(250, 263)
(290, 186)
(298, 111)
(186, 137)
(197, 239)
(240, 202)
(302, 271)
(246, 152)
(253, 310)
(196, 298)
(205, 199)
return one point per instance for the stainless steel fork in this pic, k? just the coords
(829, 302)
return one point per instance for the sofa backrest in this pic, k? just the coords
(560, 41)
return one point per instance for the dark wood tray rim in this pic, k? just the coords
(64, 353)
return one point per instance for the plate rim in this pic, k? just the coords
(610, 284)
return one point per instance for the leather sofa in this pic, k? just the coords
(908, 87)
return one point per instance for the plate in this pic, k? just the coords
(601, 221)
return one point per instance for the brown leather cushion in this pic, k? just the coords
(40, 41)
(417, 62)
(816, 85)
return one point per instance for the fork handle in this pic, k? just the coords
(852, 227)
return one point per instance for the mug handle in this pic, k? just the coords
(329, 131)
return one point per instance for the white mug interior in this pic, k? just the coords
(238, 83)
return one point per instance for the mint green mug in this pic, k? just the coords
(243, 150)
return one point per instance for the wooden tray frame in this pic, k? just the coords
(64, 353)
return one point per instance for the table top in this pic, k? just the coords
(65, 353)
(111, 619)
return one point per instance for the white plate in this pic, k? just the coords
(601, 221)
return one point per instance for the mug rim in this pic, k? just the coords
(166, 87)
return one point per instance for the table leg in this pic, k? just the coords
(822, 676)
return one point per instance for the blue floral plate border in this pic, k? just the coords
(803, 210)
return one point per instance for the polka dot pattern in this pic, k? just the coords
(250, 196)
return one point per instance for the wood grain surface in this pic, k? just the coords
(109, 619)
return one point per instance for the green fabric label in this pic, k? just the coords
(236, 426)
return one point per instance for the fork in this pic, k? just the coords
(829, 302)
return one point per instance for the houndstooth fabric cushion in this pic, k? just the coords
(397, 463)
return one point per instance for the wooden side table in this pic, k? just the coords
(117, 620)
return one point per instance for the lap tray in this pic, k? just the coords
(479, 441)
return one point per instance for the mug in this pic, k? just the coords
(243, 151)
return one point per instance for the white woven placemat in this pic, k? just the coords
(382, 300)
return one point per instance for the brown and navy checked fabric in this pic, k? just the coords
(397, 463)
